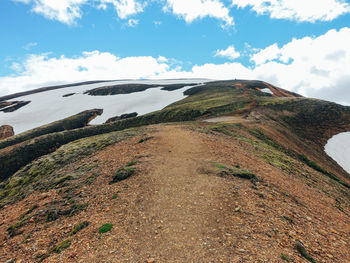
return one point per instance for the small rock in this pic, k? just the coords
(308, 218)
(6, 131)
(73, 255)
(151, 260)
(40, 253)
(10, 261)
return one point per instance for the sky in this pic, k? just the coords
(302, 46)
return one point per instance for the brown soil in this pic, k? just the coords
(177, 209)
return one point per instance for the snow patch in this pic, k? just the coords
(338, 148)
(267, 90)
(50, 106)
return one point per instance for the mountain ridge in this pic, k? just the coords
(228, 174)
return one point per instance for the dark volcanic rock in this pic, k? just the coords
(15, 105)
(122, 117)
(6, 131)
(25, 93)
(68, 95)
(4, 104)
(119, 89)
(132, 88)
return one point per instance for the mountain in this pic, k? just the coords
(229, 171)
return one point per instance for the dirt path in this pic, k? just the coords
(180, 223)
(226, 119)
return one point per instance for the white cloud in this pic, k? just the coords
(65, 11)
(30, 45)
(191, 10)
(316, 66)
(42, 70)
(132, 22)
(262, 56)
(313, 66)
(68, 11)
(124, 8)
(157, 23)
(298, 10)
(229, 53)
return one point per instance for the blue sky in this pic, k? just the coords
(289, 43)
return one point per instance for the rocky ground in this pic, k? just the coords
(183, 203)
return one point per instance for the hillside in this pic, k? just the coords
(234, 172)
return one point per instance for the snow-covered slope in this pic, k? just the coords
(49, 106)
(338, 147)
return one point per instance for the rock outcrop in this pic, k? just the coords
(6, 131)
(122, 117)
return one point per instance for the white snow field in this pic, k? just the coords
(46, 107)
(267, 90)
(338, 148)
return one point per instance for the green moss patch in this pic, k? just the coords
(318, 168)
(145, 139)
(285, 257)
(228, 172)
(79, 226)
(14, 229)
(122, 174)
(302, 250)
(62, 246)
(105, 228)
(45, 173)
(239, 172)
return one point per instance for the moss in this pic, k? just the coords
(61, 181)
(318, 168)
(259, 134)
(62, 246)
(115, 196)
(90, 179)
(105, 228)
(122, 174)
(264, 147)
(26, 238)
(235, 171)
(302, 250)
(218, 165)
(14, 229)
(145, 139)
(44, 173)
(288, 219)
(241, 173)
(72, 122)
(74, 209)
(79, 226)
(132, 163)
(52, 215)
(31, 209)
(285, 257)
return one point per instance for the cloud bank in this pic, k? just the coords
(312, 66)
(69, 11)
(297, 10)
